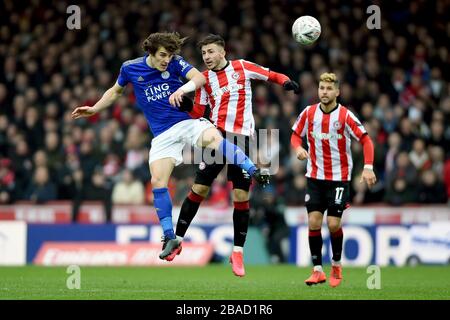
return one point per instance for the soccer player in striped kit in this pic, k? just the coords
(229, 94)
(328, 127)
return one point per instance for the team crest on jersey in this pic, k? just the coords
(307, 197)
(337, 125)
(165, 75)
(235, 75)
(202, 165)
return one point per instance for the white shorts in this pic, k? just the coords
(171, 142)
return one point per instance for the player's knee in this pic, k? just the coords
(314, 222)
(201, 190)
(158, 182)
(333, 225)
(212, 138)
(240, 195)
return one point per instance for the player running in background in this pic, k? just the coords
(155, 76)
(229, 94)
(328, 127)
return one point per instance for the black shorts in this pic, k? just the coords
(206, 173)
(325, 195)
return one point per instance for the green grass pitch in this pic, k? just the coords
(216, 282)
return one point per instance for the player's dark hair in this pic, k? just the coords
(170, 41)
(211, 38)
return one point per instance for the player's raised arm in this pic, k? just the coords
(196, 80)
(261, 73)
(108, 98)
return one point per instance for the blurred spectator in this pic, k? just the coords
(94, 189)
(431, 190)
(53, 150)
(437, 137)
(419, 156)
(394, 143)
(41, 188)
(128, 190)
(447, 177)
(404, 169)
(399, 192)
(6, 181)
(296, 190)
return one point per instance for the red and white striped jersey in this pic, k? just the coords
(329, 139)
(229, 94)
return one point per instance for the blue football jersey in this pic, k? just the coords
(152, 89)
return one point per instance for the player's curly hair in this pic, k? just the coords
(330, 77)
(171, 41)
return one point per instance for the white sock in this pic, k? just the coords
(335, 263)
(180, 238)
(318, 268)
(238, 249)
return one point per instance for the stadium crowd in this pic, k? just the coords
(396, 79)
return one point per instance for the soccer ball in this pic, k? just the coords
(306, 30)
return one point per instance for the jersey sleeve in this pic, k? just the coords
(123, 80)
(182, 66)
(301, 124)
(354, 126)
(201, 97)
(255, 71)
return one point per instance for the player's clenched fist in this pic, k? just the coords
(301, 153)
(85, 111)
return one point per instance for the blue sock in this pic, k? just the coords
(236, 156)
(163, 206)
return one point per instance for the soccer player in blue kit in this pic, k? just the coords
(155, 76)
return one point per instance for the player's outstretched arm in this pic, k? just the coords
(108, 98)
(196, 80)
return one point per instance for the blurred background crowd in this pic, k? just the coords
(396, 79)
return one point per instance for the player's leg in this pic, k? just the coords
(241, 194)
(165, 154)
(212, 138)
(241, 215)
(338, 197)
(337, 237)
(160, 171)
(316, 207)
(205, 175)
(189, 208)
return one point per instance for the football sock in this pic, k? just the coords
(315, 246)
(336, 244)
(238, 249)
(236, 156)
(163, 206)
(188, 211)
(241, 215)
(318, 268)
